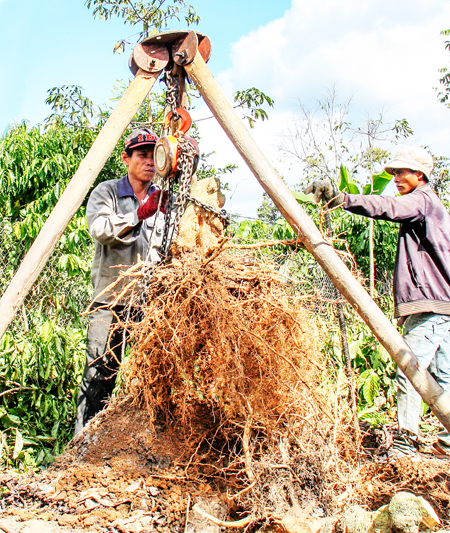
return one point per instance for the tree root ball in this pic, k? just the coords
(224, 341)
(227, 356)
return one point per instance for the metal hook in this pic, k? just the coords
(186, 121)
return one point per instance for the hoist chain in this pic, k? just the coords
(172, 94)
(164, 243)
(186, 166)
(219, 214)
(186, 169)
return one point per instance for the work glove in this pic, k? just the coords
(151, 205)
(325, 191)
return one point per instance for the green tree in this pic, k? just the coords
(41, 354)
(440, 178)
(443, 92)
(252, 101)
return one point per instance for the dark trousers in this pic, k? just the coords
(103, 358)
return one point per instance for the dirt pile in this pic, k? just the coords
(126, 474)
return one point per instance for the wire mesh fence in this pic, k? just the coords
(63, 291)
(60, 292)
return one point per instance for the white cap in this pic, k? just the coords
(412, 158)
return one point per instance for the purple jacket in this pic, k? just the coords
(422, 263)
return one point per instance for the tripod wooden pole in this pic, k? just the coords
(311, 237)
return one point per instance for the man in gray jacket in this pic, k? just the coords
(121, 216)
(421, 276)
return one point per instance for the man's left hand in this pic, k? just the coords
(325, 191)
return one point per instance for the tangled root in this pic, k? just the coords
(226, 338)
(226, 371)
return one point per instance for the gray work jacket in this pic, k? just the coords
(422, 263)
(112, 207)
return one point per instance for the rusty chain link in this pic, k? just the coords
(186, 159)
(172, 94)
(186, 166)
(223, 215)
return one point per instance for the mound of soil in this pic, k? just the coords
(125, 474)
(117, 475)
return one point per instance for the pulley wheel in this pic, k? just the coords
(151, 57)
(166, 156)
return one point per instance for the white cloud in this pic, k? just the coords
(385, 52)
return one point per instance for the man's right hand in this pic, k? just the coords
(151, 205)
(325, 191)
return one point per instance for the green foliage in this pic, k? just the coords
(39, 372)
(70, 107)
(42, 353)
(373, 369)
(153, 15)
(303, 198)
(440, 179)
(282, 230)
(376, 185)
(35, 166)
(444, 93)
(369, 385)
(354, 233)
(252, 230)
(346, 182)
(402, 129)
(252, 99)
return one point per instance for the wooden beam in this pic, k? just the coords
(73, 196)
(325, 255)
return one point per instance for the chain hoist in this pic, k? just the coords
(176, 159)
(222, 214)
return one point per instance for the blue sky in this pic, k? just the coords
(58, 42)
(384, 55)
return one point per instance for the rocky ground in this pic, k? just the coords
(113, 478)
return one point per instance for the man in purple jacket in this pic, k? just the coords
(421, 276)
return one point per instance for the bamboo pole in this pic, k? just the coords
(73, 196)
(311, 237)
